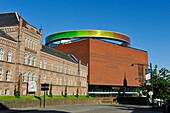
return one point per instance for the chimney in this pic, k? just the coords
(41, 37)
(20, 28)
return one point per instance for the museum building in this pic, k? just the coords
(23, 57)
(109, 56)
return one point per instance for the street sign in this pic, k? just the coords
(148, 76)
(44, 87)
(150, 93)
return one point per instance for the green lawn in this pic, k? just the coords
(28, 98)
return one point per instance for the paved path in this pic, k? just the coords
(87, 109)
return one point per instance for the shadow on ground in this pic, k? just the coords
(136, 108)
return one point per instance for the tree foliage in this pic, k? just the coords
(161, 83)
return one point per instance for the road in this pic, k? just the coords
(86, 109)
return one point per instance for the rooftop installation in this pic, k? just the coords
(80, 34)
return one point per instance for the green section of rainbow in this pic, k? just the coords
(88, 34)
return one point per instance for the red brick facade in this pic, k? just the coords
(33, 64)
(108, 64)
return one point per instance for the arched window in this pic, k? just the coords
(34, 61)
(44, 79)
(40, 63)
(9, 56)
(24, 76)
(1, 74)
(57, 67)
(60, 68)
(29, 60)
(28, 43)
(25, 42)
(33, 77)
(44, 64)
(29, 76)
(8, 75)
(57, 80)
(1, 54)
(51, 66)
(33, 45)
(25, 59)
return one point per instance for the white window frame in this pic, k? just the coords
(57, 80)
(30, 60)
(1, 54)
(25, 59)
(9, 56)
(45, 64)
(1, 73)
(33, 77)
(40, 63)
(28, 43)
(44, 78)
(25, 42)
(29, 76)
(24, 76)
(34, 61)
(60, 68)
(51, 66)
(8, 72)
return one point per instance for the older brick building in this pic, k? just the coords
(22, 53)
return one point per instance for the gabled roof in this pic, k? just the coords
(54, 52)
(7, 36)
(11, 19)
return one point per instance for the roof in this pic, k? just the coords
(59, 54)
(11, 19)
(7, 36)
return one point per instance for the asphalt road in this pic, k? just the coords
(86, 109)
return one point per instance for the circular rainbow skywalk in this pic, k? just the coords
(79, 34)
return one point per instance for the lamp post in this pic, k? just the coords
(142, 74)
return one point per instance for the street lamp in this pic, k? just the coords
(142, 74)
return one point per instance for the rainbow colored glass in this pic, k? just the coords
(88, 34)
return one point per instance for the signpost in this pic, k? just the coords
(44, 87)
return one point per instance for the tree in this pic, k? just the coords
(18, 91)
(50, 95)
(65, 91)
(161, 83)
(77, 93)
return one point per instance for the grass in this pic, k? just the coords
(29, 98)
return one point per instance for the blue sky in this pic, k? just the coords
(146, 22)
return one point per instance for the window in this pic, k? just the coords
(57, 80)
(33, 77)
(65, 70)
(33, 45)
(51, 78)
(28, 43)
(0, 91)
(29, 60)
(6, 91)
(8, 75)
(1, 54)
(68, 81)
(44, 64)
(9, 56)
(57, 67)
(25, 42)
(1, 74)
(71, 71)
(29, 76)
(24, 77)
(44, 79)
(60, 81)
(24, 92)
(61, 68)
(64, 81)
(75, 72)
(51, 66)
(25, 59)
(71, 82)
(68, 70)
(40, 63)
(34, 61)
